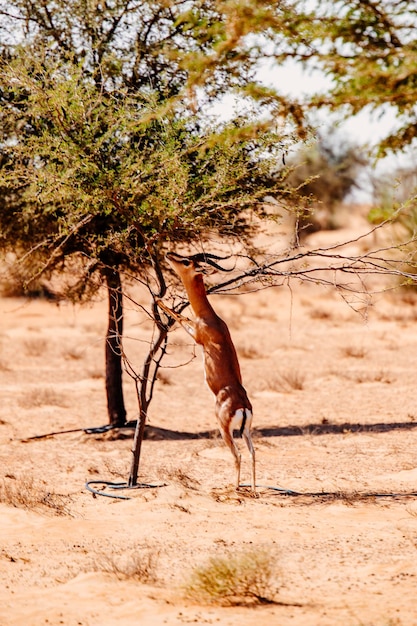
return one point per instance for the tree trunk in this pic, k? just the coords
(113, 351)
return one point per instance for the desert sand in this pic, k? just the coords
(333, 392)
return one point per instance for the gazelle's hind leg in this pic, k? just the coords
(226, 426)
(227, 435)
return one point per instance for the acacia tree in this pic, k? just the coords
(105, 151)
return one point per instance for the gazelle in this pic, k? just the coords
(222, 371)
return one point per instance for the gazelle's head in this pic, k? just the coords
(188, 267)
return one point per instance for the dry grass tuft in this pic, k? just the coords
(73, 354)
(374, 377)
(140, 564)
(36, 346)
(320, 314)
(245, 578)
(43, 396)
(95, 373)
(180, 476)
(164, 378)
(356, 352)
(290, 380)
(248, 351)
(23, 492)
(379, 376)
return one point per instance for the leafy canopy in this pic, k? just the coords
(107, 153)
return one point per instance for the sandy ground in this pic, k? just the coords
(335, 419)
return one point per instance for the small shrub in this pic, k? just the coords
(139, 565)
(234, 579)
(325, 173)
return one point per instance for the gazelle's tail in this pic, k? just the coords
(243, 424)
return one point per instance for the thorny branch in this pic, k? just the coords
(300, 265)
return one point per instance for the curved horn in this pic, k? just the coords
(207, 257)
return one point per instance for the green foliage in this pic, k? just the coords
(108, 155)
(395, 201)
(244, 577)
(381, 213)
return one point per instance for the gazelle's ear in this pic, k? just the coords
(199, 268)
(206, 269)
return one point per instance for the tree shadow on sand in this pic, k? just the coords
(156, 434)
(305, 497)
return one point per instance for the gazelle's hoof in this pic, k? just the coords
(248, 490)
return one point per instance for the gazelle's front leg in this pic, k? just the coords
(188, 325)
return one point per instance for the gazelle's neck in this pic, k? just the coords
(197, 296)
